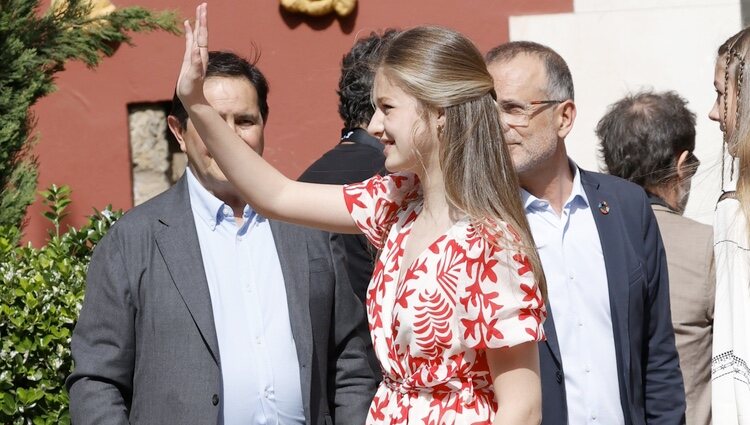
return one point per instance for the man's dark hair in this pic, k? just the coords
(229, 65)
(357, 74)
(559, 79)
(643, 134)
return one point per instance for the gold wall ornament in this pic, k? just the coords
(99, 8)
(319, 7)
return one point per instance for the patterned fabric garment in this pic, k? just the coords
(460, 296)
(730, 365)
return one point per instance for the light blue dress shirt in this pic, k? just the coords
(571, 254)
(259, 367)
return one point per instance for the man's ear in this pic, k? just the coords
(566, 118)
(681, 166)
(176, 128)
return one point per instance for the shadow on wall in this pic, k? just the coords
(319, 23)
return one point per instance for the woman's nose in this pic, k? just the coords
(375, 127)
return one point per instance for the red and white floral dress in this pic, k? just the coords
(460, 296)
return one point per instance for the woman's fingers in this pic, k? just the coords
(202, 38)
(199, 36)
(187, 57)
(195, 60)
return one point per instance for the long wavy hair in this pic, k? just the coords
(446, 73)
(732, 55)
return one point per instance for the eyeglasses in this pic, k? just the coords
(517, 114)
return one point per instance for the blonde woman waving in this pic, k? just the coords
(455, 305)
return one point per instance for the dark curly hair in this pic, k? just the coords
(642, 134)
(357, 74)
(229, 65)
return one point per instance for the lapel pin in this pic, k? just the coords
(604, 207)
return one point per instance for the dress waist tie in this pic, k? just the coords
(465, 387)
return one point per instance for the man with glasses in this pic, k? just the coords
(610, 355)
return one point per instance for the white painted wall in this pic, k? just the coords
(617, 46)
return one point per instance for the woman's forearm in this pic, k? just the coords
(518, 415)
(262, 186)
(259, 183)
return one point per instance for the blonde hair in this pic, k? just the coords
(443, 70)
(733, 52)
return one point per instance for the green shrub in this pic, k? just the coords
(35, 45)
(40, 297)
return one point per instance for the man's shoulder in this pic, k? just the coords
(624, 198)
(671, 221)
(299, 233)
(345, 163)
(298, 243)
(608, 182)
(146, 216)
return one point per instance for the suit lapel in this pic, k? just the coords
(179, 246)
(292, 250)
(612, 241)
(551, 334)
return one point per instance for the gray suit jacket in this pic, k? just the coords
(145, 346)
(692, 284)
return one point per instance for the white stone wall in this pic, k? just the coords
(617, 46)
(155, 167)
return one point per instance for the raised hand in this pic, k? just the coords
(190, 82)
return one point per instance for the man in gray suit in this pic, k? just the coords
(648, 138)
(200, 311)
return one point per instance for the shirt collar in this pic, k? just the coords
(656, 200)
(362, 137)
(211, 209)
(577, 194)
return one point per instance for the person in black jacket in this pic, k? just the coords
(358, 156)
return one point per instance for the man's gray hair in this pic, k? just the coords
(559, 79)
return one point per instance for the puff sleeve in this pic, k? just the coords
(500, 303)
(374, 203)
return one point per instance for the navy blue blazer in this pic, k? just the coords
(651, 388)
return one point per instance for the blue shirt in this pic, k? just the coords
(259, 367)
(571, 255)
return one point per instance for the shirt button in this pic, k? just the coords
(587, 371)
(593, 417)
(580, 323)
(257, 340)
(215, 399)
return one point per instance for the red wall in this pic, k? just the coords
(83, 127)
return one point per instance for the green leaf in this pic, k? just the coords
(29, 396)
(8, 405)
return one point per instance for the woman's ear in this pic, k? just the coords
(440, 120)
